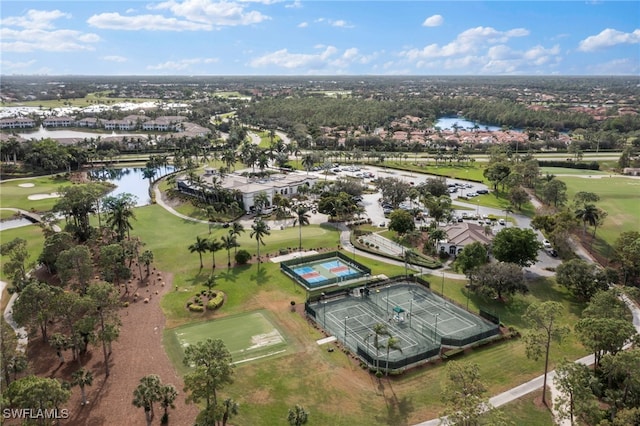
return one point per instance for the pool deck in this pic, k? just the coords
(294, 255)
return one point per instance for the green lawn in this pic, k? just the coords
(34, 237)
(568, 171)
(466, 172)
(619, 197)
(16, 196)
(249, 336)
(525, 411)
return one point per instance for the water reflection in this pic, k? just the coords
(129, 180)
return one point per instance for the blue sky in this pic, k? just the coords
(273, 37)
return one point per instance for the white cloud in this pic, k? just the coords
(297, 4)
(624, 66)
(53, 41)
(13, 66)
(114, 58)
(433, 21)
(466, 42)
(303, 25)
(607, 38)
(326, 59)
(340, 23)
(181, 65)
(284, 59)
(190, 15)
(115, 21)
(35, 19)
(36, 31)
(213, 13)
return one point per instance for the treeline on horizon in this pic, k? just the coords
(349, 113)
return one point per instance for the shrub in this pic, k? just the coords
(216, 302)
(242, 257)
(196, 308)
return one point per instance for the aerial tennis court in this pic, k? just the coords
(323, 269)
(422, 321)
(249, 337)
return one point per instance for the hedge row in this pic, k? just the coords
(216, 302)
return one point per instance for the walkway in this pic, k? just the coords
(535, 384)
(21, 332)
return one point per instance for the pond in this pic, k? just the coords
(448, 123)
(14, 223)
(129, 180)
(43, 133)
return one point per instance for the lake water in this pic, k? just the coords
(447, 123)
(43, 133)
(129, 180)
(14, 223)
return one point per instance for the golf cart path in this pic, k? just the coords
(535, 384)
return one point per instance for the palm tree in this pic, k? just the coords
(436, 235)
(120, 213)
(213, 245)
(392, 343)
(82, 378)
(168, 395)
(260, 201)
(308, 160)
(590, 214)
(259, 230)
(380, 329)
(229, 242)
(297, 416)
(147, 392)
(200, 246)
(147, 258)
(229, 409)
(301, 219)
(236, 230)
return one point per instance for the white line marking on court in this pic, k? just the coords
(258, 357)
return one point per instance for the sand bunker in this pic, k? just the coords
(26, 185)
(43, 196)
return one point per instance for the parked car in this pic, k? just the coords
(552, 253)
(546, 244)
(482, 191)
(502, 222)
(382, 225)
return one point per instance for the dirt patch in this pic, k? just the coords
(137, 352)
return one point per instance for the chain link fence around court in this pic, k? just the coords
(397, 324)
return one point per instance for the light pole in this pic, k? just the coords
(387, 309)
(436, 329)
(345, 330)
(410, 308)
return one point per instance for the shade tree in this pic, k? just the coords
(499, 279)
(575, 398)
(543, 319)
(516, 245)
(463, 394)
(211, 369)
(35, 307)
(37, 393)
(583, 279)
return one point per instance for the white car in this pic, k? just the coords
(546, 244)
(382, 225)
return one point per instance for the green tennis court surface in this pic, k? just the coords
(421, 321)
(248, 337)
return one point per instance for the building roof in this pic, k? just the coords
(464, 233)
